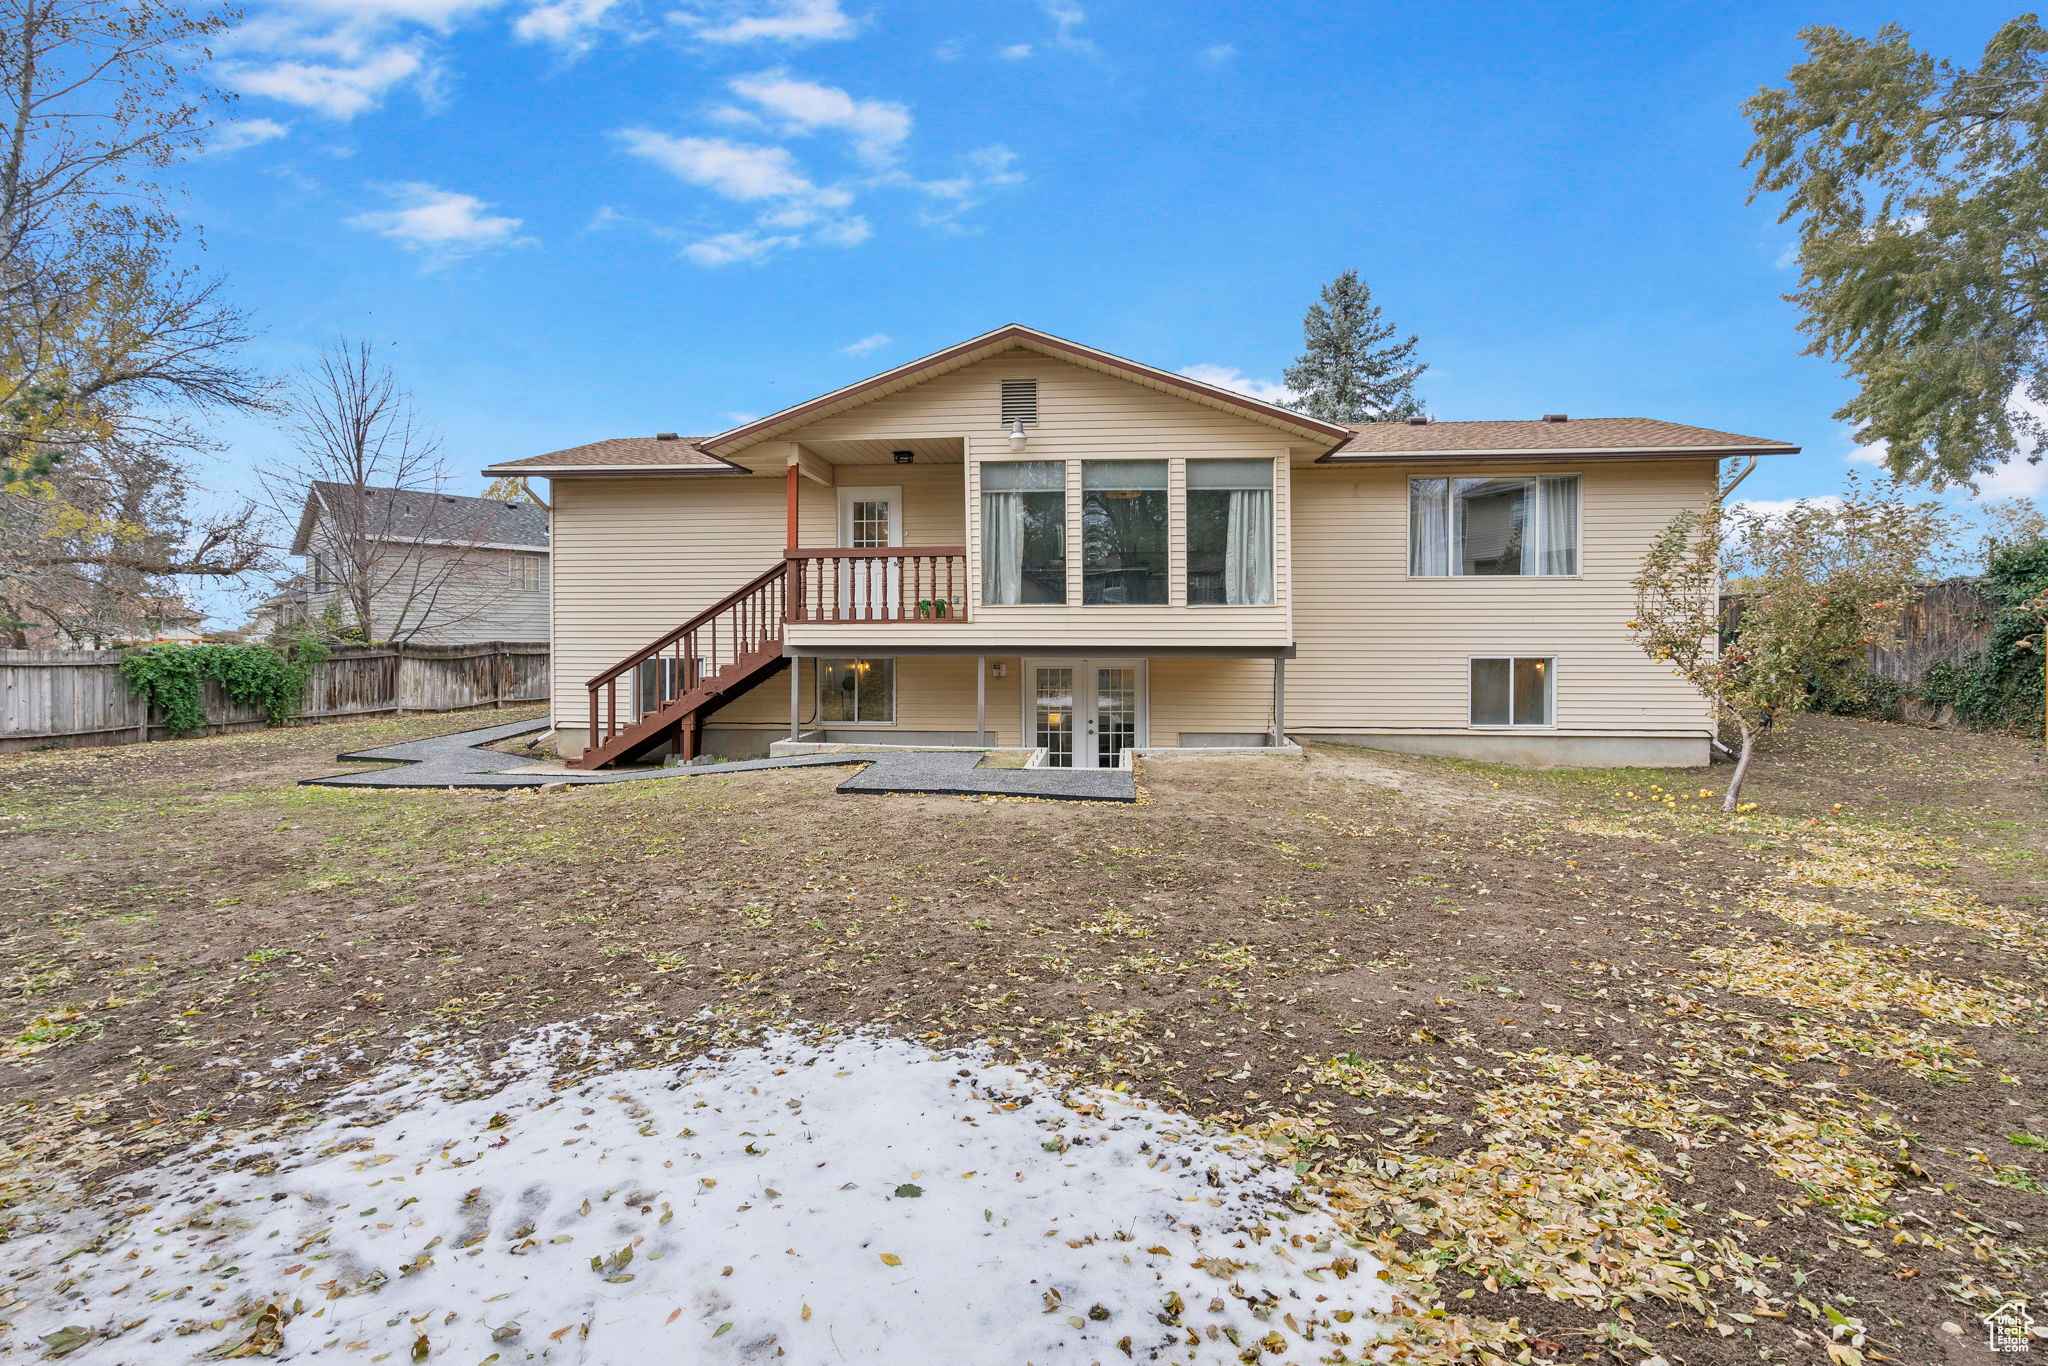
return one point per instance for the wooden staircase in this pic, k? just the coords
(672, 684)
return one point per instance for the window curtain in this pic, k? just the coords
(1004, 488)
(1560, 524)
(1248, 548)
(1429, 527)
(1230, 532)
(1002, 540)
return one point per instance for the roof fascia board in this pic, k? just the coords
(1549, 453)
(559, 471)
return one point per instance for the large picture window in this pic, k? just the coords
(1024, 532)
(1123, 532)
(1230, 532)
(1515, 691)
(857, 691)
(1501, 526)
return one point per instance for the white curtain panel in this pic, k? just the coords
(1560, 524)
(1429, 527)
(1002, 541)
(1248, 548)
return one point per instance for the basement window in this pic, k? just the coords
(1020, 402)
(1513, 691)
(858, 692)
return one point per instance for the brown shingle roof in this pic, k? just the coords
(622, 452)
(1534, 436)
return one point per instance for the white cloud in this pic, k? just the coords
(1067, 17)
(874, 341)
(784, 21)
(844, 232)
(1228, 377)
(338, 89)
(571, 25)
(1778, 507)
(735, 170)
(878, 127)
(1218, 53)
(2015, 479)
(441, 224)
(1015, 52)
(731, 248)
(792, 206)
(233, 137)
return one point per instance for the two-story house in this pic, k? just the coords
(1021, 540)
(432, 568)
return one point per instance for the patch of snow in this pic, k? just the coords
(817, 1198)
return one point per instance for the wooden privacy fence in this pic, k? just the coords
(1943, 623)
(78, 697)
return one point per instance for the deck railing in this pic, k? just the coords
(898, 583)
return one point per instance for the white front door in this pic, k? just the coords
(1084, 712)
(870, 589)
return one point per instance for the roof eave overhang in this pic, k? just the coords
(559, 471)
(992, 343)
(1527, 453)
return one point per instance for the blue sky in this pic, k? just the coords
(571, 219)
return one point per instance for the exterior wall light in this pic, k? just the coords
(903, 457)
(1017, 437)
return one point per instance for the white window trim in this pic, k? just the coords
(1549, 688)
(818, 694)
(1408, 535)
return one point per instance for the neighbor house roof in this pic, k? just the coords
(427, 517)
(1602, 437)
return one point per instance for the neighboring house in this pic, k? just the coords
(437, 568)
(1022, 540)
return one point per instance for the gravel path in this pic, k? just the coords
(458, 760)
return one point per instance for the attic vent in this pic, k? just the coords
(1418, 421)
(1020, 402)
(667, 436)
(1554, 417)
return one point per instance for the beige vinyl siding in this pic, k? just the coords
(1383, 653)
(1083, 414)
(1209, 697)
(634, 558)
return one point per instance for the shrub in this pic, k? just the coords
(172, 678)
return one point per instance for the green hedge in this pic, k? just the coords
(172, 678)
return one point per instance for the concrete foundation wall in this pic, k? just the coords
(1542, 751)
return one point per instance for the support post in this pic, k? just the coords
(796, 692)
(981, 699)
(789, 496)
(1279, 702)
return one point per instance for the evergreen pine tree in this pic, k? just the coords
(1350, 369)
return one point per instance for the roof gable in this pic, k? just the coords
(729, 443)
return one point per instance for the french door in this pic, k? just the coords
(870, 589)
(1084, 712)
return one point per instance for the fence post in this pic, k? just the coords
(398, 678)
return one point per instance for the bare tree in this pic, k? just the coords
(391, 554)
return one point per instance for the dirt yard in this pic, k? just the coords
(1614, 1077)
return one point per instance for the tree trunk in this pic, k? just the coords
(1741, 765)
